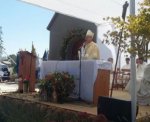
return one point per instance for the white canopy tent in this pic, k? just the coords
(88, 10)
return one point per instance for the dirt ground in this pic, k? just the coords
(80, 106)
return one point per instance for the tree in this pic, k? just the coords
(33, 51)
(146, 2)
(1, 42)
(13, 57)
(137, 26)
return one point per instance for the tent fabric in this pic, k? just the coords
(7, 62)
(89, 10)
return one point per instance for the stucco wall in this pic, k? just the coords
(58, 30)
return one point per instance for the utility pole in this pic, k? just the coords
(133, 70)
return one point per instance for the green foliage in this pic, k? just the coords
(71, 43)
(137, 26)
(1, 40)
(13, 57)
(46, 89)
(62, 83)
(146, 2)
(33, 51)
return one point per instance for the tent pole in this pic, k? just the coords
(133, 69)
(115, 70)
(125, 6)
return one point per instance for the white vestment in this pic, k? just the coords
(90, 51)
(127, 66)
(143, 95)
(126, 73)
(139, 76)
(140, 72)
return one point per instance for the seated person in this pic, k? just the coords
(140, 69)
(127, 65)
(126, 70)
(143, 95)
(139, 74)
(90, 50)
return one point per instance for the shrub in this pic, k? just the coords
(62, 84)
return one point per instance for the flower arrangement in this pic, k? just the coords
(46, 90)
(57, 86)
(64, 85)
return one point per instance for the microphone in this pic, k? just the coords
(83, 45)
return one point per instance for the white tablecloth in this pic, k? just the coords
(89, 71)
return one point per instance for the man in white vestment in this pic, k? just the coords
(140, 69)
(139, 75)
(143, 95)
(127, 65)
(112, 62)
(90, 50)
(112, 70)
(126, 71)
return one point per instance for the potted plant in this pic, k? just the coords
(64, 85)
(42, 91)
(56, 87)
(46, 90)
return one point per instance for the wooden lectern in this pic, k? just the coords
(27, 67)
(101, 85)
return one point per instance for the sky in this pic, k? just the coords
(23, 24)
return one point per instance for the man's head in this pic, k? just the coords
(127, 60)
(89, 36)
(141, 60)
(110, 60)
(137, 61)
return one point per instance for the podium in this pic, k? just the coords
(101, 85)
(27, 67)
